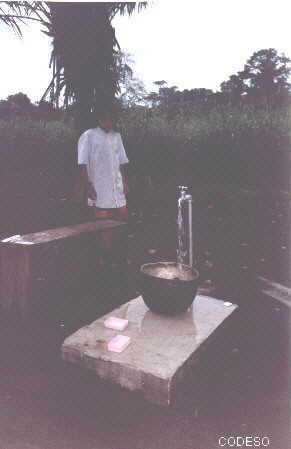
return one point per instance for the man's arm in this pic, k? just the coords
(88, 186)
(123, 161)
(124, 179)
(84, 188)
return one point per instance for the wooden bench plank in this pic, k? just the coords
(18, 254)
(51, 235)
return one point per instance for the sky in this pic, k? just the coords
(189, 44)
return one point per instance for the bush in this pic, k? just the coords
(36, 158)
(244, 144)
(33, 141)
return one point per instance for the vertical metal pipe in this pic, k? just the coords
(190, 232)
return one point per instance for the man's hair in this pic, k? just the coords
(107, 115)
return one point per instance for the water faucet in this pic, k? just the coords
(183, 195)
(187, 197)
(183, 190)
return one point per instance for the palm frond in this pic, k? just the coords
(15, 14)
(85, 58)
(85, 52)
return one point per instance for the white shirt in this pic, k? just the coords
(103, 153)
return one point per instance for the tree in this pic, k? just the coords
(160, 84)
(15, 14)
(5, 110)
(84, 56)
(20, 99)
(234, 88)
(197, 96)
(133, 93)
(173, 101)
(16, 105)
(266, 74)
(132, 90)
(264, 78)
(46, 111)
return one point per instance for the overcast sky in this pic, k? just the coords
(189, 44)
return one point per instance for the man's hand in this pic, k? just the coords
(83, 188)
(124, 182)
(125, 188)
(91, 192)
(79, 191)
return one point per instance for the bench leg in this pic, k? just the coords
(24, 283)
(8, 276)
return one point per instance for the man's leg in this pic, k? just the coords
(122, 213)
(121, 243)
(113, 244)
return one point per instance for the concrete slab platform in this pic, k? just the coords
(162, 348)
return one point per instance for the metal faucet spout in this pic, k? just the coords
(184, 196)
(183, 190)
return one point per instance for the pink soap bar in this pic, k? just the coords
(118, 324)
(118, 343)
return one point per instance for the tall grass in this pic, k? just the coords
(244, 144)
(241, 143)
(25, 141)
(195, 124)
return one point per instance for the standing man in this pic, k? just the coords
(101, 160)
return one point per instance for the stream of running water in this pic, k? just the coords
(181, 251)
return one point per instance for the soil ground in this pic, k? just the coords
(241, 386)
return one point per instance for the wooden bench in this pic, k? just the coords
(40, 256)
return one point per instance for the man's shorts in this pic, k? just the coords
(120, 213)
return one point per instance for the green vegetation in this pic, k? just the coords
(227, 121)
(241, 144)
(196, 135)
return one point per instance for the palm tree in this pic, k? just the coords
(85, 57)
(15, 14)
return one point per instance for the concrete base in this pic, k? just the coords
(162, 348)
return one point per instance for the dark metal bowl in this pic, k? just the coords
(167, 290)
